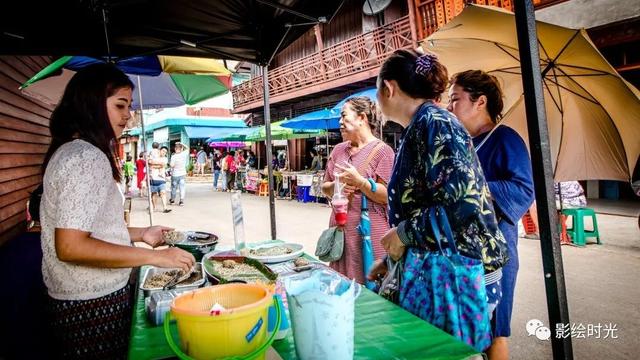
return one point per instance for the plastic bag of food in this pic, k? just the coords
(321, 307)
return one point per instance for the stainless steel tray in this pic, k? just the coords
(154, 270)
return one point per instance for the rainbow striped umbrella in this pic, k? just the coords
(166, 81)
(161, 81)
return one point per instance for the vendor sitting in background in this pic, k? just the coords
(283, 164)
(316, 160)
(569, 194)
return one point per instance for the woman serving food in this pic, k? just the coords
(87, 247)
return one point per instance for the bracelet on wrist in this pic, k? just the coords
(373, 185)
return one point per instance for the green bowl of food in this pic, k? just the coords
(197, 243)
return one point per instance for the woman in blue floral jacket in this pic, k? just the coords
(435, 166)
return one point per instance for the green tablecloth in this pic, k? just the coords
(382, 331)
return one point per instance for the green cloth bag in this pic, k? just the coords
(330, 244)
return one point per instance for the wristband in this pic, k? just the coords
(373, 185)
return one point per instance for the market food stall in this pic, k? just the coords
(382, 330)
(252, 181)
(305, 186)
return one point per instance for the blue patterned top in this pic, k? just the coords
(436, 165)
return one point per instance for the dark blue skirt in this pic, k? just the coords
(502, 317)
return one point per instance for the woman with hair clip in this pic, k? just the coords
(437, 174)
(363, 163)
(86, 245)
(475, 98)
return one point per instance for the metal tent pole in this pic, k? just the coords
(267, 129)
(543, 176)
(327, 136)
(144, 145)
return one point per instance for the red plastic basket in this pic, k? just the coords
(529, 226)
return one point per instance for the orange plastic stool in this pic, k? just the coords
(263, 189)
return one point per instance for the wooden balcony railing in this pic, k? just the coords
(353, 56)
(433, 14)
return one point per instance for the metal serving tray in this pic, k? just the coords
(154, 270)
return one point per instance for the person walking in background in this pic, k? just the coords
(127, 170)
(437, 171)
(141, 173)
(363, 163)
(223, 170)
(87, 252)
(475, 98)
(159, 179)
(178, 166)
(241, 170)
(215, 166)
(230, 170)
(201, 161)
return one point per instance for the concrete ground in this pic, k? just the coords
(602, 280)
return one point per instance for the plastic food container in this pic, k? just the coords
(157, 305)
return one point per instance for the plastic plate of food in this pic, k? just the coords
(273, 253)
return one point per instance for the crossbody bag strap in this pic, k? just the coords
(439, 224)
(363, 166)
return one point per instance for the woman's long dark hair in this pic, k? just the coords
(82, 112)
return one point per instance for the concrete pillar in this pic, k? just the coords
(593, 189)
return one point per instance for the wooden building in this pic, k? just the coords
(333, 60)
(24, 139)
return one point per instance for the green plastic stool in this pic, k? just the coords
(577, 232)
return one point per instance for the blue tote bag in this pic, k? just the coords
(447, 289)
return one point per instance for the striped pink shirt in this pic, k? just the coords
(379, 169)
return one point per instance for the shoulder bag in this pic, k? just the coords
(446, 288)
(330, 245)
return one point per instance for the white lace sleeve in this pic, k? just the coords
(82, 181)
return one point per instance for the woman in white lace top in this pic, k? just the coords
(87, 248)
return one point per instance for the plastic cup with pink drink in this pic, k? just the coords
(339, 202)
(340, 209)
